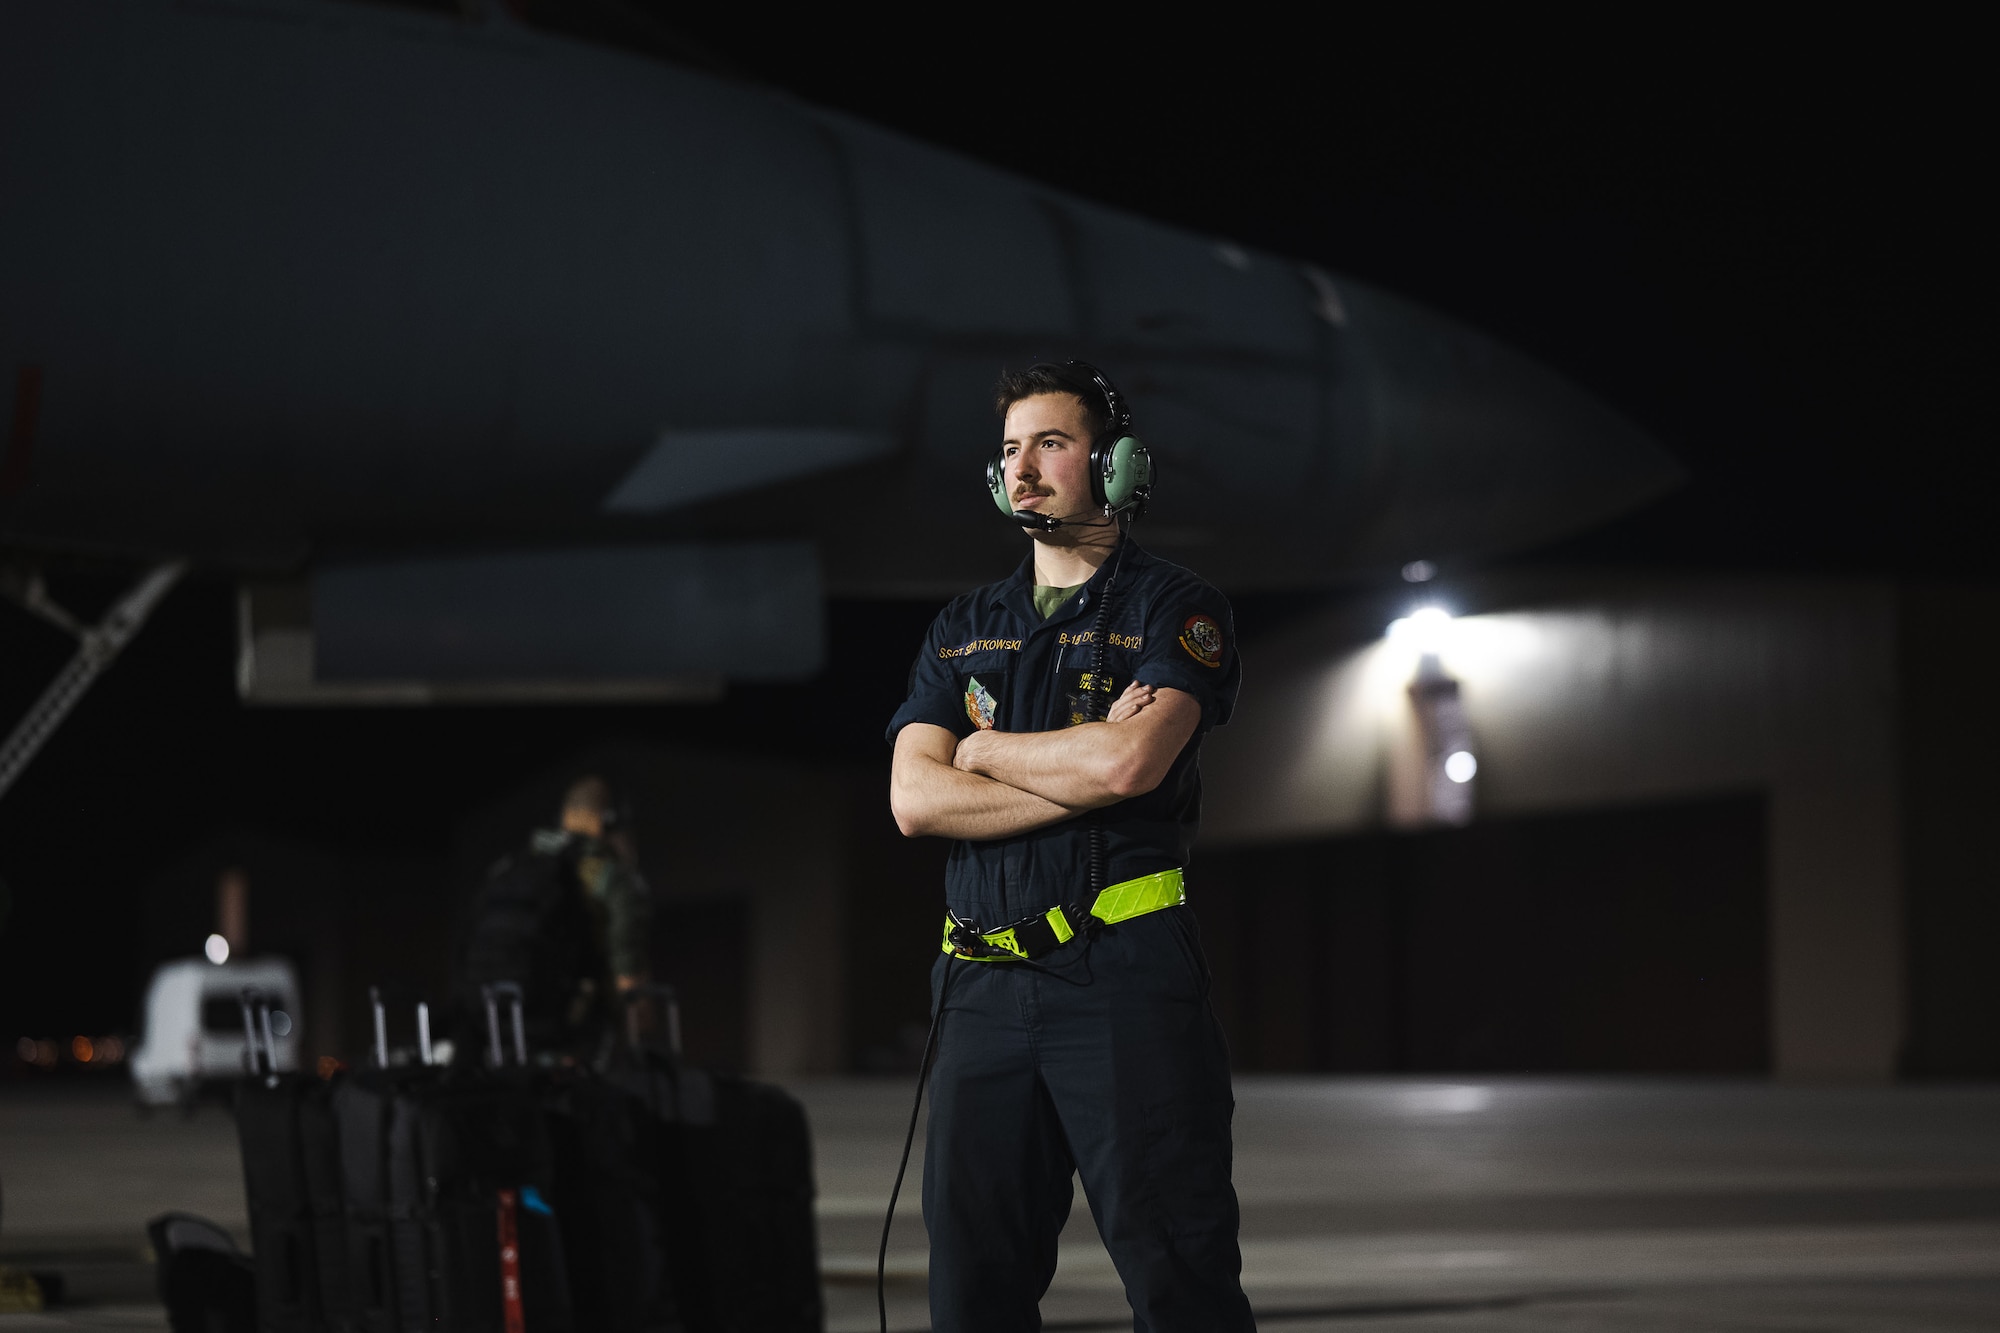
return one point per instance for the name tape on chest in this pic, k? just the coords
(981, 646)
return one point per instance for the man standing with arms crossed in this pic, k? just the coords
(1071, 998)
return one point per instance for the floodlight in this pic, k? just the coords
(1423, 629)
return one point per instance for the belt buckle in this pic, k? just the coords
(967, 940)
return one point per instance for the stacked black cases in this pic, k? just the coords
(619, 1191)
(471, 1166)
(648, 1199)
(451, 1221)
(667, 1097)
(752, 1178)
(291, 1173)
(362, 1104)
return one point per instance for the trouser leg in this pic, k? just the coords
(996, 1168)
(1139, 1075)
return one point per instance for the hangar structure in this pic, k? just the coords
(491, 366)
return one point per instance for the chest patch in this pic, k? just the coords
(1088, 695)
(979, 704)
(1202, 638)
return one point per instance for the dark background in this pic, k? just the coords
(1766, 247)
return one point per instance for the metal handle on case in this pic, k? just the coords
(491, 994)
(381, 1028)
(270, 1042)
(425, 1053)
(256, 1008)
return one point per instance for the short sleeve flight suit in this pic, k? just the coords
(1105, 1059)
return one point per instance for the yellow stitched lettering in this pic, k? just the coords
(982, 646)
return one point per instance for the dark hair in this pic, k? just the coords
(1039, 379)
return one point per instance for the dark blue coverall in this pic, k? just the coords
(1106, 1059)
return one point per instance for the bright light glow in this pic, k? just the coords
(217, 949)
(1419, 571)
(82, 1049)
(1460, 766)
(1483, 651)
(1423, 629)
(1450, 1099)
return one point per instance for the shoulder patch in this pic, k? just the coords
(1202, 638)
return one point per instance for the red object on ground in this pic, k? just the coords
(513, 1320)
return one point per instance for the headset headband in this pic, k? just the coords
(1084, 377)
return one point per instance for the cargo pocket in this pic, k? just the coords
(1187, 939)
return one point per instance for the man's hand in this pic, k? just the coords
(1136, 697)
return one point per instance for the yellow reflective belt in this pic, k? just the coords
(1136, 897)
(1119, 902)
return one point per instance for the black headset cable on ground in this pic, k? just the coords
(923, 1074)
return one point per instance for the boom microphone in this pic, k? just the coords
(1028, 518)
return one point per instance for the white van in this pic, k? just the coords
(194, 1025)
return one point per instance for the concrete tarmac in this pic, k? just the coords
(1418, 1205)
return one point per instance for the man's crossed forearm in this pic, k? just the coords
(996, 784)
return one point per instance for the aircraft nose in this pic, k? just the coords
(1410, 436)
(1472, 447)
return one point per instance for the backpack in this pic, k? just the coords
(528, 924)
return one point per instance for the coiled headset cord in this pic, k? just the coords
(1094, 700)
(1092, 705)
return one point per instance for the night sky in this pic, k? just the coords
(1769, 248)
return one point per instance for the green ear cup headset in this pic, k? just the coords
(1121, 468)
